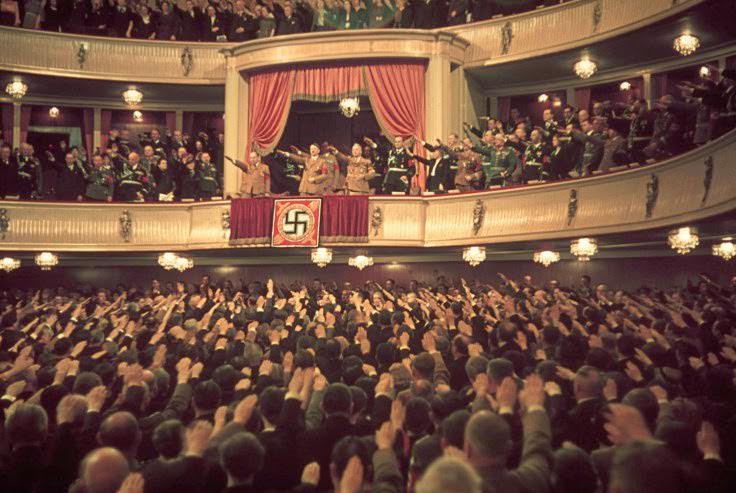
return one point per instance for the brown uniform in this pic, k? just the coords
(467, 164)
(256, 180)
(359, 172)
(318, 174)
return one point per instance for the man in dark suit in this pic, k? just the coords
(438, 166)
(71, 179)
(488, 441)
(191, 22)
(583, 424)
(316, 444)
(8, 172)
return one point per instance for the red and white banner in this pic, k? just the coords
(296, 222)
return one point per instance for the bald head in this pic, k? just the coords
(120, 430)
(487, 438)
(449, 475)
(104, 470)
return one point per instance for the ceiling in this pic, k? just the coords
(713, 22)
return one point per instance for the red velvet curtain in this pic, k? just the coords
(25, 122)
(269, 100)
(344, 218)
(88, 123)
(6, 130)
(171, 121)
(504, 108)
(105, 124)
(328, 83)
(582, 98)
(251, 221)
(396, 92)
(661, 86)
(188, 123)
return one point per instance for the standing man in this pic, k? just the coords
(8, 172)
(500, 162)
(359, 170)
(536, 157)
(101, 179)
(400, 168)
(29, 170)
(317, 174)
(71, 178)
(209, 183)
(257, 179)
(438, 167)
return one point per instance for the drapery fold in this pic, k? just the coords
(250, 221)
(344, 219)
(171, 121)
(25, 122)
(328, 83)
(88, 124)
(582, 98)
(269, 102)
(396, 92)
(6, 130)
(105, 124)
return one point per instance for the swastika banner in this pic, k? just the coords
(296, 222)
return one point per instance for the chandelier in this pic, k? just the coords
(683, 240)
(137, 116)
(686, 44)
(625, 86)
(584, 248)
(7, 264)
(726, 249)
(474, 255)
(16, 89)
(321, 256)
(546, 257)
(183, 263)
(133, 97)
(349, 107)
(54, 112)
(360, 261)
(167, 260)
(585, 68)
(46, 260)
(543, 98)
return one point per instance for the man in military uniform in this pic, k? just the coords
(468, 164)
(536, 158)
(593, 138)
(134, 183)
(499, 161)
(209, 184)
(318, 172)
(380, 166)
(8, 173)
(149, 161)
(257, 178)
(29, 170)
(101, 179)
(358, 170)
(641, 129)
(550, 127)
(400, 168)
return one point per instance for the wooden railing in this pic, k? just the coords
(683, 190)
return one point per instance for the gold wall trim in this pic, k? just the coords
(606, 204)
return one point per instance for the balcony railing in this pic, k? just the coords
(682, 190)
(494, 41)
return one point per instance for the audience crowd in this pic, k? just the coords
(242, 20)
(244, 386)
(156, 167)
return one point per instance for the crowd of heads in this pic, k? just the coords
(428, 387)
(242, 20)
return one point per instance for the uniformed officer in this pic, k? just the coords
(400, 168)
(317, 174)
(257, 178)
(359, 170)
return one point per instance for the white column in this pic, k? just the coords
(16, 125)
(648, 89)
(436, 97)
(473, 101)
(236, 122)
(97, 128)
(179, 120)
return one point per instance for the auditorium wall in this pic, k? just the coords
(629, 273)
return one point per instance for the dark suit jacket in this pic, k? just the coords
(181, 475)
(316, 444)
(280, 466)
(536, 460)
(69, 183)
(583, 425)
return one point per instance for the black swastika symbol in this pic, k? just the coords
(296, 222)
